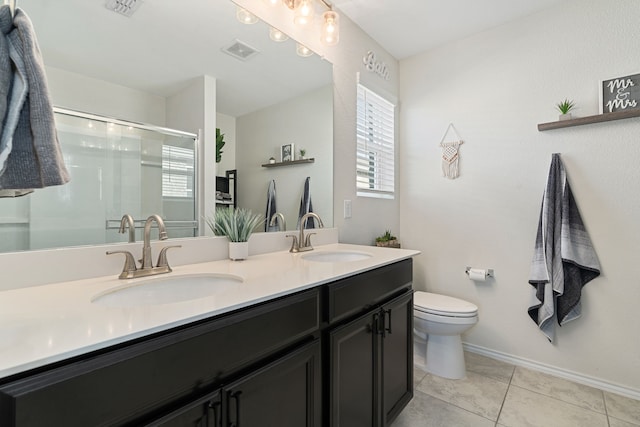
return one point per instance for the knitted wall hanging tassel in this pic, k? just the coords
(450, 154)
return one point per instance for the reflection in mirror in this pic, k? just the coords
(116, 168)
(135, 68)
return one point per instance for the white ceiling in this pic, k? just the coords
(407, 27)
(167, 43)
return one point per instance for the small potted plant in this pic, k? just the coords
(387, 240)
(303, 152)
(565, 108)
(237, 225)
(272, 160)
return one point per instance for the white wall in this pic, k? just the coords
(305, 121)
(194, 109)
(82, 93)
(495, 88)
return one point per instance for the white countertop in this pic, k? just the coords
(44, 324)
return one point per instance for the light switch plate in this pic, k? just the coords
(347, 209)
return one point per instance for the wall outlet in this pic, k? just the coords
(347, 209)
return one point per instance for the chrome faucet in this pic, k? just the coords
(146, 247)
(275, 217)
(300, 242)
(127, 221)
(130, 269)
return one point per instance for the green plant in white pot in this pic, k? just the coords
(565, 108)
(237, 225)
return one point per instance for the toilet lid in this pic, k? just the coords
(443, 305)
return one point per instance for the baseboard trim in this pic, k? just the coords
(555, 371)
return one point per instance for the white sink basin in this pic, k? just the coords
(166, 290)
(335, 256)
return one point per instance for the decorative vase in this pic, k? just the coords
(393, 243)
(238, 250)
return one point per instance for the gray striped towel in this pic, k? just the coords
(564, 259)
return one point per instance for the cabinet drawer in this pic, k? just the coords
(348, 297)
(118, 386)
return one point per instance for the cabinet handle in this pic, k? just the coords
(213, 407)
(385, 314)
(375, 325)
(235, 396)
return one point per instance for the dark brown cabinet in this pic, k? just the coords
(370, 366)
(140, 381)
(285, 393)
(336, 355)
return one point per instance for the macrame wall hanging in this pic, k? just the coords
(450, 154)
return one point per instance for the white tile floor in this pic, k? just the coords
(497, 394)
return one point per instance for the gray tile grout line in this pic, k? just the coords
(505, 395)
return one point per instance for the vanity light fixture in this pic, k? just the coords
(330, 28)
(291, 4)
(246, 17)
(304, 13)
(276, 35)
(303, 51)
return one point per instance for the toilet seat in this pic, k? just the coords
(443, 305)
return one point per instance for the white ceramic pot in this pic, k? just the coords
(238, 250)
(564, 117)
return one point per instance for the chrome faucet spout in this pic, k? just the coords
(127, 221)
(305, 244)
(275, 217)
(146, 248)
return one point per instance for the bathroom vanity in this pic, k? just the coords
(334, 349)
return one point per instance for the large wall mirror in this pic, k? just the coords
(270, 99)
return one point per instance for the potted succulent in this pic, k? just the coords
(565, 107)
(303, 152)
(387, 240)
(237, 224)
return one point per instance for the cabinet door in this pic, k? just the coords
(285, 393)
(204, 412)
(397, 355)
(353, 367)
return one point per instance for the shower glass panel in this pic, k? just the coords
(116, 168)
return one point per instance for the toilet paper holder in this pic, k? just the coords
(489, 271)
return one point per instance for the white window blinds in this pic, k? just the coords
(177, 171)
(375, 145)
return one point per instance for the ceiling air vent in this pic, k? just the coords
(123, 7)
(240, 50)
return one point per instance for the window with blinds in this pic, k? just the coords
(177, 171)
(375, 156)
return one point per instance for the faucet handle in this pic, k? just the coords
(129, 264)
(162, 257)
(307, 240)
(294, 244)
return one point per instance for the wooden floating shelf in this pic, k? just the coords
(290, 163)
(606, 117)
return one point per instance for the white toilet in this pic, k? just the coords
(441, 320)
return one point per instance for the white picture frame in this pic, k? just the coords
(287, 153)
